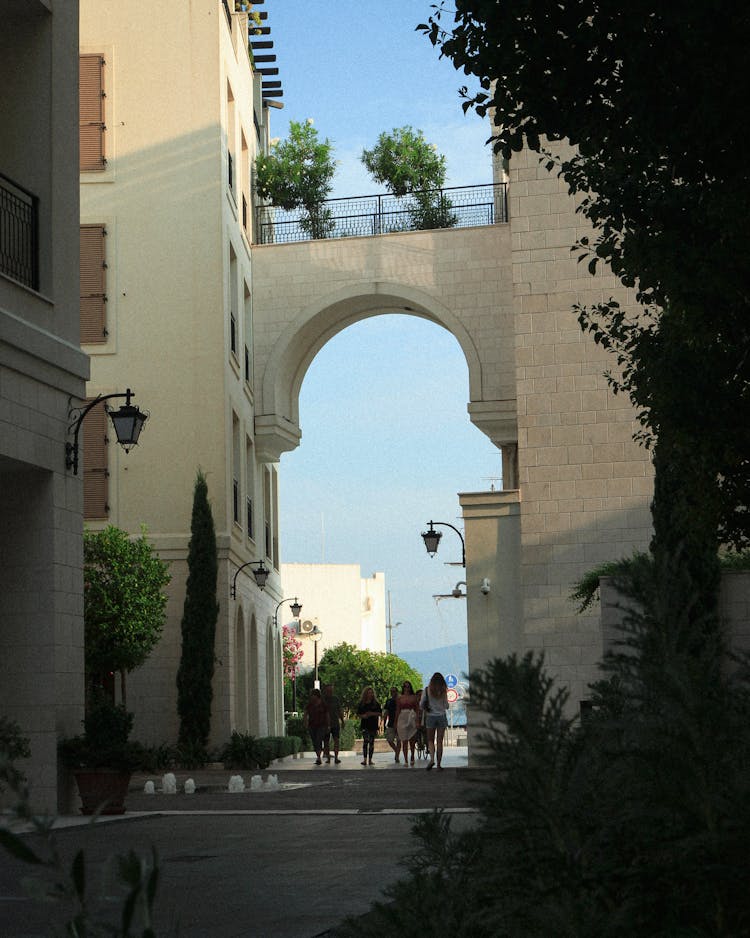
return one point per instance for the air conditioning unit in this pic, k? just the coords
(306, 626)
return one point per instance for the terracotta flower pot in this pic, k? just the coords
(102, 789)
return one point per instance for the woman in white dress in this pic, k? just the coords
(407, 719)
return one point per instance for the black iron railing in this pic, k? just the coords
(367, 215)
(19, 233)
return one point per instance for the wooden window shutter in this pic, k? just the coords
(91, 105)
(95, 471)
(93, 285)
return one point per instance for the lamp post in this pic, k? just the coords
(261, 575)
(432, 537)
(296, 608)
(128, 422)
(316, 636)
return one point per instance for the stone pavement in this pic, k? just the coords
(285, 863)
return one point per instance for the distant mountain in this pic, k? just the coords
(450, 659)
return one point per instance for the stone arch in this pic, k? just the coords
(240, 675)
(277, 416)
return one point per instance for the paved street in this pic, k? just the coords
(283, 863)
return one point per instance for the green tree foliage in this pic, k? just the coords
(632, 821)
(200, 612)
(123, 600)
(351, 669)
(407, 164)
(660, 171)
(297, 173)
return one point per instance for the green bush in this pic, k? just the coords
(191, 755)
(349, 733)
(295, 727)
(239, 752)
(159, 758)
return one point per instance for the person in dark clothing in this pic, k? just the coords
(335, 722)
(316, 721)
(389, 712)
(369, 711)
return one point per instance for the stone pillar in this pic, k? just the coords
(492, 531)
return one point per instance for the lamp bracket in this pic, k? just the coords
(71, 449)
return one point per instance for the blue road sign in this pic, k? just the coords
(451, 680)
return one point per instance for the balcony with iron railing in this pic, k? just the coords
(367, 215)
(19, 233)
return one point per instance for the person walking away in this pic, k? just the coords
(315, 721)
(407, 705)
(389, 711)
(434, 704)
(335, 722)
(369, 711)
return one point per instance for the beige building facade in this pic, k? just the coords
(344, 605)
(42, 373)
(165, 201)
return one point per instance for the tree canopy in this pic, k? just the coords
(297, 173)
(407, 164)
(652, 98)
(351, 669)
(123, 600)
(404, 161)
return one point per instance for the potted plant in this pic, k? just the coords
(102, 759)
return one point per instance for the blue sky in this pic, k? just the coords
(367, 478)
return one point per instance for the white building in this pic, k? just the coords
(345, 606)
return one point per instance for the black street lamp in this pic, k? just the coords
(128, 422)
(296, 608)
(261, 575)
(316, 636)
(432, 537)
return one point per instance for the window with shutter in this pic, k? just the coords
(91, 104)
(93, 285)
(95, 470)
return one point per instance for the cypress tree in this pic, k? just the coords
(200, 612)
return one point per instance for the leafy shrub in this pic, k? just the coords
(191, 754)
(349, 732)
(104, 743)
(159, 758)
(239, 752)
(295, 727)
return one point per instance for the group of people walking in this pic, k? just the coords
(404, 715)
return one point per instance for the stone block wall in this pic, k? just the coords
(585, 485)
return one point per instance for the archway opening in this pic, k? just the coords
(386, 445)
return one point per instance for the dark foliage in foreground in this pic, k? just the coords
(632, 822)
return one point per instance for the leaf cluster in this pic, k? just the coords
(124, 599)
(297, 173)
(104, 742)
(351, 669)
(126, 911)
(631, 821)
(651, 97)
(405, 162)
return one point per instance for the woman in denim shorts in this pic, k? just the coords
(434, 704)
